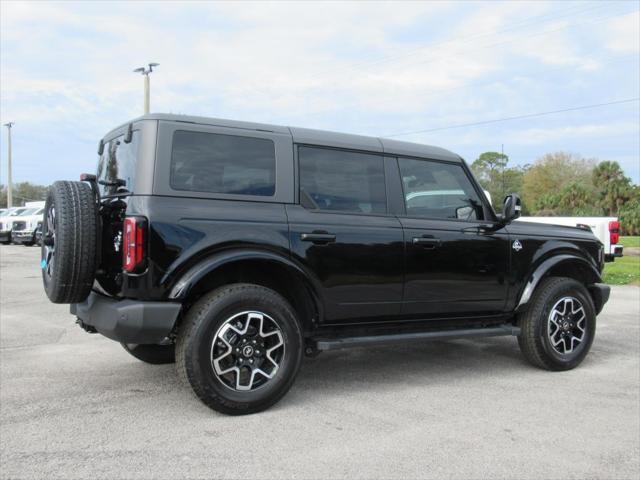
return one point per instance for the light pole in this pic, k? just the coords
(145, 72)
(9, 179)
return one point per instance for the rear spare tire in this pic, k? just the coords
(69, 242)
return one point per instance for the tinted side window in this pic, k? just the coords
(118, 162)
(342, 181)
(216, 163)
(438, 190)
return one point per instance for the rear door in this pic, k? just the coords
(341, 231)
(456, 263)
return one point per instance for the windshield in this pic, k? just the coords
(28, 211)
(17, 212)
(118, 162)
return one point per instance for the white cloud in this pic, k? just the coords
(376, 68)
(623, 33)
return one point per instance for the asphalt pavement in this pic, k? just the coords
(74, 405)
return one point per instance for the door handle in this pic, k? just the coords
(318, 237)
(429, 243)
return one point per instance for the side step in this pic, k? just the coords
(324, 344)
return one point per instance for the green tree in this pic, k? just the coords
(576, 199)
(491, 170)
(629, 213)
(23, 192)
(549, 176)
(613, 187)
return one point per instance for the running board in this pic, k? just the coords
(373, 340)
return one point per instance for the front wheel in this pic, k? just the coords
(558, 328)
(240, 348)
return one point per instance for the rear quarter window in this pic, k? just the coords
(118, 162)
(219, 163)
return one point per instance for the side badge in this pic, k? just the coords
(517, 246)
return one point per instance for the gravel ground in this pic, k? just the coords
(74, 405)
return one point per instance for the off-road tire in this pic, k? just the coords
(197, 332)
(153, 354)
(534, 341)
(75, 245)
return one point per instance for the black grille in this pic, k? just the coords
(19, 225)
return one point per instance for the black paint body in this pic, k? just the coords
(388, 270)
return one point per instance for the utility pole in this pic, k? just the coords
(503, 166)
(9, 179)
(147, 84)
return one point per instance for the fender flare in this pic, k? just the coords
(544, 267)
(207, 265)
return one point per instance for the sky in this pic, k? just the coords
(406, 70)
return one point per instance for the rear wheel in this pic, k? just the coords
(558, 328)
(69, 242)
(154, 354)
(240, 348)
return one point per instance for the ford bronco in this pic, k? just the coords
(234, 249)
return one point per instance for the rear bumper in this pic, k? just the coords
(600, 293)
(128, 321)
(616, 251)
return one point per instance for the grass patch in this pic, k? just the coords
(623, 271)
(630, 241)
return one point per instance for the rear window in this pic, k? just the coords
(218, 163)
(342, 181)
(118, 162)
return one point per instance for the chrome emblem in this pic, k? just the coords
(517, 246)
(247, 351)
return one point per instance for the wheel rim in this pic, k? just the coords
(567, 326)
(247, 351)
(49, 242)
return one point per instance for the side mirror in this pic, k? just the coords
(512, 208)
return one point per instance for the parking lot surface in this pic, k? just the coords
(74, 405)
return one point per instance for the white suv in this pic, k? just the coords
(25, 226)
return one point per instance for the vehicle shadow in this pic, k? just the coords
(377, 369)
(431, 362)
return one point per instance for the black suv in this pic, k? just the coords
(235, 248)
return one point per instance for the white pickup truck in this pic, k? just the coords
(607, 229)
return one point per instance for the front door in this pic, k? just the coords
(341, 232)
(456, 263)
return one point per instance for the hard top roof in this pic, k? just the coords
(315, 137)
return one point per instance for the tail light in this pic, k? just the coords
(133, 244)
(614, 232)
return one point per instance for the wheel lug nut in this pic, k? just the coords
(254, 342)
(251, 360)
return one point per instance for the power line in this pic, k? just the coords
(492, 81)
(514, 25)
(448, 57)
(515, 117)
(456, 40)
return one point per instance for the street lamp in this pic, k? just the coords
(9, 179)
(145, 72)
